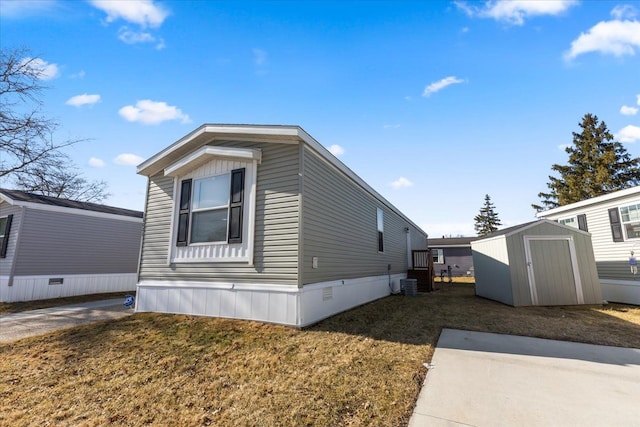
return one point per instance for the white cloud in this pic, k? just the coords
(391, 126)
(401, 182)
(629, 134)
(441, 84)
(25, 8)
(259, 56)
(128, 159)
(616, 38)
(142, 12)
(96, 162)
(336, 150)
(78, 75)
(84, 99)
(624, 11)
(43, 69)
(514, 12)
(628, 111)
(151, 112)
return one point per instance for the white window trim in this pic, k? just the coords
(251, 172)
(440, 256)
(575, 221)
(623, 222)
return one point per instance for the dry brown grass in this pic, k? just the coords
(362, 367)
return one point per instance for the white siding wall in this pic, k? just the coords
(30, 288)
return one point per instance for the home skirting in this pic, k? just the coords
(283, 304)
(31, 288)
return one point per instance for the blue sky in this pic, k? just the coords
(434, 104)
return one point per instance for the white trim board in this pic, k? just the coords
(73, 211)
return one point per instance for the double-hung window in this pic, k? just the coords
(211, 209)
(380, 221)
(438, 256)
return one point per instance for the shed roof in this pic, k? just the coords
(520, 227)
(18, 197)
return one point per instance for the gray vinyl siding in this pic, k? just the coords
(67, 243)
(339, 225)
(612, 258)
(16, 211)
(459, 259)
(276, 233)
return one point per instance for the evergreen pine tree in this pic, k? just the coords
(487, 221)
(597, 165)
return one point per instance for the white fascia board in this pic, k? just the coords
(221, 130)
(203, 154)
(589, 202)
(74, 211)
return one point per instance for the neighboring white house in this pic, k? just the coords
(264, 223)
(614, 223)
(52, 247)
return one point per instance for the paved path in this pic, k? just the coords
(36, 322)
(482, 379)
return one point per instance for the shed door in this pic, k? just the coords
(553, 271)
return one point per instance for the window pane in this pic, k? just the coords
(3, 225)
(631, 213)
(633, 230)
(209, 226)
(571, 222)
(211, 192)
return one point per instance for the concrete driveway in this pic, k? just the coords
(36, 322)
(483, 379)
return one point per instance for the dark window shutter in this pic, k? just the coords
(5, 240)
(236, 199)
(616, 226)
(183, 214)
(582, 222)
(380, 241)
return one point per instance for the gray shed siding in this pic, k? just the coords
(276, 233)
(6, 210)
(490, 266)
(67, 243)
(339, 227)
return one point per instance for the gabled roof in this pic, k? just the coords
(22, 198)
(282, 134)
(594, 200)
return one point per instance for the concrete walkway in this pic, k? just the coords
(36, 322)
(482, 379)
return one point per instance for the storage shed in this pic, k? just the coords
(537, 263)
